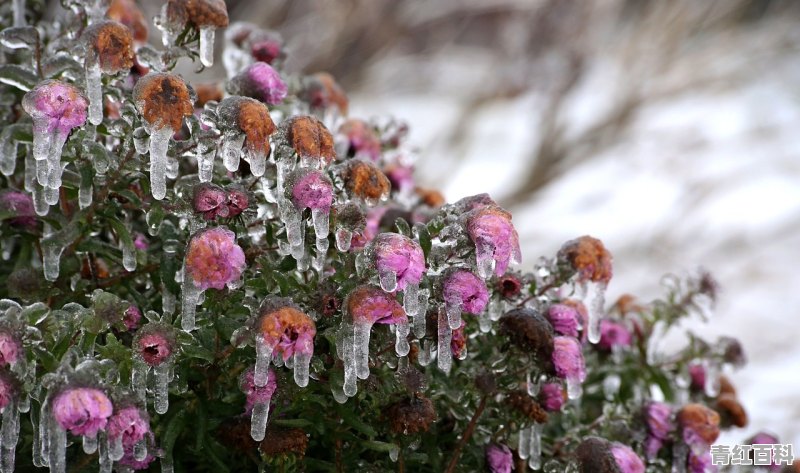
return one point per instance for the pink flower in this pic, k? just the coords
(19, 206)
(56, 107)
(259, 81)
(257, 395)
(214, 259)
(362, 139)
(82, 411)
(494, 236)
(266, 50)
(10, 348)
(458, 342)
(565, 319)
(153, 345)
(698, 376)
(130, 461)
(509, 286)
(210, 201)
(238, 201)
(658, 417)
(8, 388)
(700, 463)
(371, 228)
(140, 242)
(132, 317)
(287, 330)
(400, 255)
(464, 289)
(130, 424)
(551, 397)
(401, 177)
(626, 459)
(369, 304)
(568, 359)
(499, 458)
(613, 334)
(312, 190)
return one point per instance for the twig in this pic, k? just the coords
(451, 467)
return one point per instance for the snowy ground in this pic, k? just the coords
(703, 179)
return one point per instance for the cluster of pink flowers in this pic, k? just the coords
(213, 258)
(212, 201)
(257, 394)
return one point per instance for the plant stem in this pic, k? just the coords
(451, 467)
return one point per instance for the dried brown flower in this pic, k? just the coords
(129, 14)
(411, 415)
(280, 442)
(530, 331)
(111, 43)
(702, 420)
(257, 125)
(731, 410)
(366, 181)
(594, 456)
(163, 100)
(527, 406)
(430, 197)
(589, 258)
(309, 138)
(198, 12)
(207, 92)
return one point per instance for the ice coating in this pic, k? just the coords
(626, 459)
(569, 364)
(109, 49)
(311, 189)
(10, 348)
(322, 92)
(495, 238)
(286, 333)
(362, 139)
(565, 319)
(261, 82)
(589, 258)
(210, 201)
(364, 180)
(243, 115)
(213, 258)
(127, 427)
(154, 344)
(258, 400)
(399, 261)
(82, 411)
(444, 354)
(463, 291)
(310, 139)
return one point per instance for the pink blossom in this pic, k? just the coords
(130, 424)
(19, 206)
(400, 255)
(626, 459)
(499, 458)
(494, 236)
(700, 463)
(214, 259)
(130, 461)
(565, 319)
(257, 395)
(8, 388)
(238, 201)
(210, 201)
(259, 81)
(10, 348)
(568, 359)
(369, 304)
(132, 317)
(312, 190)
(140, 242)
(613, 334)
(55, 106)
(287, 331)
(464, 289)
(551, 397)
(82, 411)
(154, 347)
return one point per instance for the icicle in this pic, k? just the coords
(104, 454)
(401, 345)
(495, 310)
(394, 453)
(258, 420)
(595, 311)
(140, 450)
(533, 384)
(484, 322)
(89, 444)
(659, 329)
(30, 172)
(141, 140)
(484, 257)
(419, 325)
(161, 388)
(343, 239)
(205, 161)
(167, 300)
(190, 297)
(231, 150)
(40, 205)
(40, 448)
(57, 446)
(85, 195)
(444, 355)
(453, 314)
(294, 225)
(207, 45)
(258, 162)
(139, 379)
(411, 300)
(116, 450)
(338, 393)
(9, 435)
(19, 12)
(535, 448)
(94, 90)
(8, 150)
(574, 388)
(159, 143)
(349, 359)
(611, 385)
(711, 386)
(302, 362)
(524, 443)
(128, 255)
(388, 280)
(263, 356)
(166, 464)
(320, 219)
(51, 195)
(361, 333)
(54, 168)
(425, 356)
(51, 257)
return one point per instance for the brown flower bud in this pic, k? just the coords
(594, 456)
(527, 406)
(198, 13)
(411, 415)
(430, 197)
(235, 434)
(530, 331)
(129, 14)
(207, 92)
(731, 411)
(280, 442)
(309, 138)
(366, 181)
(589, 258)
(111, 44)
(163, 100)
(322, 91)
(704, 422)
(725, 386)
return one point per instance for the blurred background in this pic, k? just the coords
(668, 129)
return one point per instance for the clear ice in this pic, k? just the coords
(232, 143)
(163, 375)
(207, 45)
(453, 314)
(444, 355)
(258, 420)
(574, 388)
(524, 442)
(320, 219)
(190, 298)
(18, 6)
(263, 357)
(401, 345)
(388, 280)
(301, 362)
(343, 239)
(535, 447)
(159, 144)
(595, 309)
(94, 90)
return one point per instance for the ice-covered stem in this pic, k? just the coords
(203, 15)
(465, 437)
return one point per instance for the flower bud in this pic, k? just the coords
(127, 13)
(210, 201)
(248, 116)
(411, 415)
(731, 411)
(18, 206)
(464, 289)
(286, 329)
(589, 258)
(658, 418)
(197, 13)
(214, 259)
(110, 43)
(499, 458)
(82, 411)
(154, 344)
(509, 286)
(530, 331)
(699, 424)
(552, 397)
(568, 359)
(495, 238)
(310, 190)
(261, 82)
(370, 304)
(626, 458)
(321, 91)
(56, 107)
(365, 181)
(527, 406)
(613, 334)
(131, 424)
(398, 254)
(565, 319)
(309, 138)
(238, 201)
(362, 139)
(163, 100)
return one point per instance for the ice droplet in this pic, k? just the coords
(343, 239)
(159, 144)
(524, 443)
(207, 45)
(302, 362)
(425, 356)
(453, 314)
(258, 162)
(116, 449)
(411, 300)
(535, 448)
(611, 385)
(51, 195)
(40, 205)
(388, 280)
(167, 465)
(595, 310)
(484, 258)
(401, 345)
(106, 463)
(361, 333)
(9, 435)
(161, 387)
(57, 446)
(574, 388)
(534, 384)
(190, 297)
(350, 364)
(263, 357)
(128, 255)
(232, 149)
(258, 420)
(205, 161)
(8, 150)
(444, 355)
(85, 195)
(89, 444)
(141, 140)
(140, 450)
(94, 89)
(484, 322)
(51, 257)
(711, 386)
(394, 453)
(320, 219)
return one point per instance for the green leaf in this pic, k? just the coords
(379, 446)
(424, 239)
(402, 227)
(18, 76)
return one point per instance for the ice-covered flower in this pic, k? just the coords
(129, 460)
(495, 238)
(509, 286)
(658, 417)
(129, 14)
(401, 256)
(365, 181)
(565, 319)
(248, 116)
(238, 201)
(499, 458)
(163, 100)
(287, 330)
(731, 411)
(697, 374)
(8, 388)
(530, 332)
(154, 344)
(257, 395)
(18, 208)
(458, 342)
(361, 138)
(130, 424)
(56, 107)
(321, 91)
(613, 334)
(311, 190)
(210, 201)
(82, 411)
(589, 258)
(568, 359)
(10, 348)
(309, 138)
(626, 459)
(370, 304)
(552, 397)
(214, 259)
(700, 463)
(196, 13)
(132, 317)
(402, 179)
(261, 82)
(699, 425)
(140, 242)
(462, 288)
(109, 44)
